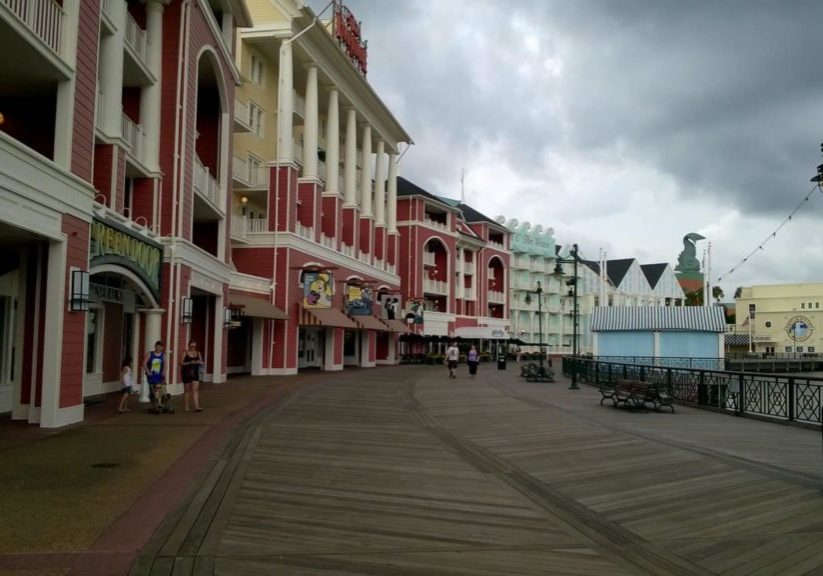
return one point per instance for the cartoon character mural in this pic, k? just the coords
(359, 300)
(389, 306)
(318, 288)
(415, 312)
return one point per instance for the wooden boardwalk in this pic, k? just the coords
(400, 471)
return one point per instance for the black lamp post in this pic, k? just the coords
(528, 300)
(558, 270)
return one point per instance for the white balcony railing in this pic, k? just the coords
(327, 241)
(347, 249)
(468, 268)
(133, 135)
(299, 104)
(136, 37)
(205, 183)
(496, 245)
(435, 286)
(435, 224)
(364, 257)
(378, 263)
(391, 268)
(257, 225)
(239, 225)
(242, 115)
(251, 175)
(297, 151)
(496, 297)
(428, 259)
(468, 293)
(43, 17)
(306, 232)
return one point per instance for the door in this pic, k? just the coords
(309, 350)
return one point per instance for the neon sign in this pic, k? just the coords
(347, 32)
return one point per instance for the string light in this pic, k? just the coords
(772, 235)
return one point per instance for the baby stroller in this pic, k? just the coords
(160, 399)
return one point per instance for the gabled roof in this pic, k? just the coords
(407, 188)
(617, 269)
(472, 215)
(653, 272)
(658, 319)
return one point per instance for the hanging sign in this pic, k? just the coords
(347, 32)
(111, 243)
(359, 301)
(317, 289)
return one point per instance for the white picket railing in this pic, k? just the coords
(257, 225)
(391, 268)
(136, 37)
(306, 232)
(327, 241)
(435, 286)
(347, 249)
(241, 114)
(468, 268)
(428, 259)
(205, 183)
(364, 257)
(43, 17)
(496, 245)
(468, 293)
(435, 224)
(239, 224)
(248, 174)
(133, 135)
(496, 297)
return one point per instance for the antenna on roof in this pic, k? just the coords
(462, 185)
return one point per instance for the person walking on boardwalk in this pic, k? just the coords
(472, 359)
(126, 385)
(452, 355)
(190, 366)
(154, 365)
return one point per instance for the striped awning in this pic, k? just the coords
(369, 322)
(397, 326)
(326, 317)
(658, 319)
(256, 307)
(737, 339)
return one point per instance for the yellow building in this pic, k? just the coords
(785, 318)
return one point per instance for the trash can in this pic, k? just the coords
(501, 362)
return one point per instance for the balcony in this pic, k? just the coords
(496, 297)
(432, 286)
(364, 257)
(299, 104)
(391, 268)
(133, 135)
(306, 232)
(468, 293)
(136, 39)
(205, 184)
(297, 151)
(468, 268)
(327, 241)
(497, 246)
(436, 225)
(249, 175)
(242, 116)
(347, 250)
(43, 18)
(428, 259)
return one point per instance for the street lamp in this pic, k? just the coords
(558, 271)
(528, 300)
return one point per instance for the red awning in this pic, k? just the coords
(326, 317)
(256, 307)
(369, 322)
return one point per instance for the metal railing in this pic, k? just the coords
(774, 396)
(44, 18)
(136, 37)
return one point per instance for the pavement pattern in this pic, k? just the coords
(402, 471)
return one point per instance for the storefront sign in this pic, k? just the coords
(359, 301)
(347, 32)
(317, 289)
(103, 293)
(113, 244)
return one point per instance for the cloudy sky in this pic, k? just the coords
(622, 124)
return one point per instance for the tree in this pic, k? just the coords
(738, 292)
(717, 293)
(695, 297)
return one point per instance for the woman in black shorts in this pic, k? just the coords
(190, 365)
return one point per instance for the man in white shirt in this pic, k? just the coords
(452, 356)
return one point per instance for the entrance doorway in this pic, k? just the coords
(310, 348)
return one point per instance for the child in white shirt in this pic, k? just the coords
(126, 383)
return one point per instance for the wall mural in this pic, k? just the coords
(318, 288)
(390, 306)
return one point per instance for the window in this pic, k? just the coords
(799, 349)
(802, 305)
(256, 118)
(256, 175)
(810, 349)
(817, 304)
(810, 305)
(788, 348)
(257, 70)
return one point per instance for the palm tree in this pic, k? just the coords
(738, 292)
(717, 293)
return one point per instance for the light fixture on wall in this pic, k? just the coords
(227, 317)
(187, 311)
(243, 201)
(80, 300)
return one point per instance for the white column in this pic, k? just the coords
(25, 297)
(218, 371)
(111, 72)
(392, 195)
(55, 287)
(350, 173)
(150, 95)
(151, 334)
(285, 109)
(333, 145)
(311, 127)
(365, 175)
(380, 184)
